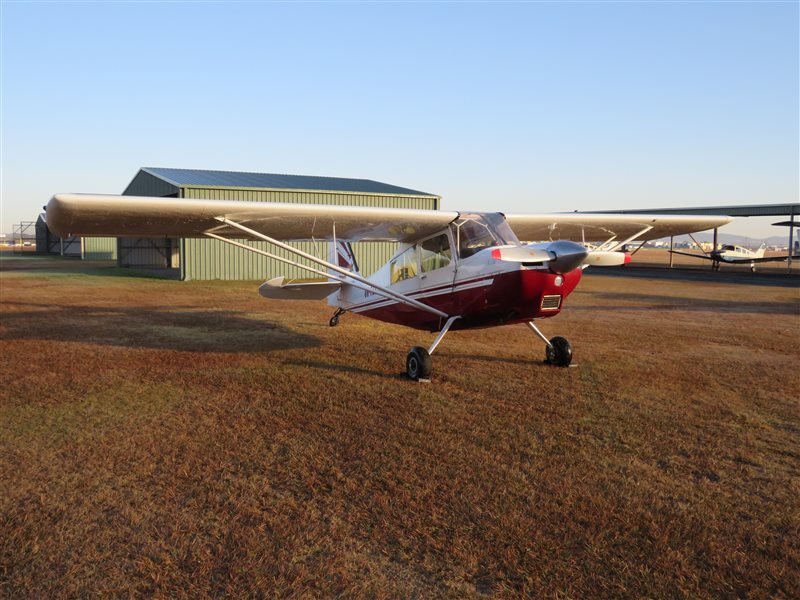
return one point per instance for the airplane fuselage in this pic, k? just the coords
(736, 254)
(505, 297)
(473, 284)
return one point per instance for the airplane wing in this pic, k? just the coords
(588, 227)
(138, 216)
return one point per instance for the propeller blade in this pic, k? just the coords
(561, 256)
(522, 254)
(606, 259)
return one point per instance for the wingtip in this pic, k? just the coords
(57, 221)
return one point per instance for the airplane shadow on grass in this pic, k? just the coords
(315, 364)
(184, 328)
(670, 303)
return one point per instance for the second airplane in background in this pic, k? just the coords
(735, 255)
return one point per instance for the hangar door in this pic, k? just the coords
(158, 253)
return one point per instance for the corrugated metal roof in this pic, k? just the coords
(197, 177)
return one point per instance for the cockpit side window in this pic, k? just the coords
(474, 236)
(475, 232)
(435, 253)
(404, 266)
(501, 229)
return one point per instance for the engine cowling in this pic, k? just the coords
(568, 256)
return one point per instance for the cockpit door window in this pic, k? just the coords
(404, 266)
(435, 253)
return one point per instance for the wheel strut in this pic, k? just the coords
(444, 330)
(533, 326)
(418, 361)
(335, 318)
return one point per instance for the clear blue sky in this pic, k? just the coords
(516, 107)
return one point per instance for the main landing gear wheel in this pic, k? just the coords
(418, 363)
(559, 352)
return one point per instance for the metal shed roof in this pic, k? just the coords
(197, 177)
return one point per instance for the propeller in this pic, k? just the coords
(562, 256)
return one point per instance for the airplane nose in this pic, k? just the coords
(568, 256)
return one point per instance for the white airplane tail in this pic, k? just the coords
(761, 249)
(341, 254)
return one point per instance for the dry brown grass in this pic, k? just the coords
(192, 439)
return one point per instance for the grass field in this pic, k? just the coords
(188, 439)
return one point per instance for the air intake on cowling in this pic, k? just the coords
(551, 302)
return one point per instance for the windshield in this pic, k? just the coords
(474, 232)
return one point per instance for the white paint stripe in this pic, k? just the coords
(423, 294)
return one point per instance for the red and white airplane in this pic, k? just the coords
(453, 270)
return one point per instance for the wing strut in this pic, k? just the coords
(619, 245)
(639, 247)
(382, 290)
(698, 245)
(291, 262)
(602, 246)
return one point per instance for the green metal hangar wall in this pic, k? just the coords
(212, 259)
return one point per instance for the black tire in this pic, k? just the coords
(334, 321)
(559, 352)
(418, 363)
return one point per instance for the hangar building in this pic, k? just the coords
(211, 259)
(87, 248)
(48, 242)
